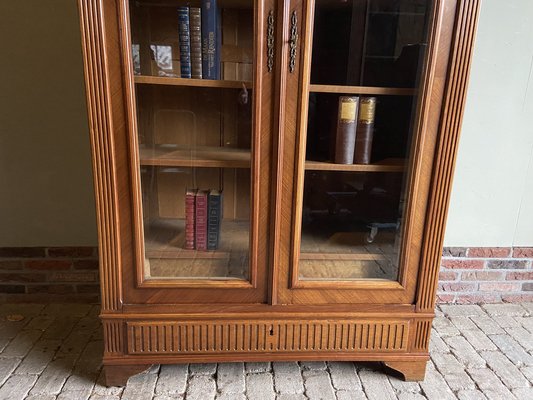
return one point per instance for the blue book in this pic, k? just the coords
(214, 218)
(184, 35)
(211, 40)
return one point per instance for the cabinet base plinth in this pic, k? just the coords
(410, 370)
(118, 375)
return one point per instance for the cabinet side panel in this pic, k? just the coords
(104, 169)
(451, 119)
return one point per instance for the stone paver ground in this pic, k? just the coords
(53, 352)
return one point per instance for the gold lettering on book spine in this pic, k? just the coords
(348, 109)
(367, 110)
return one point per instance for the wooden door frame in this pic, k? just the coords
(429, 175)
(110, 89)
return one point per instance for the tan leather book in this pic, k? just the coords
(195, 18)
(365, 130)
(346, 127)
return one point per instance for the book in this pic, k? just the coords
(211, 39)
(346, 129)
(184, 37)
(365, 130)
(214, 218)
(190, 211)
(201, 220)
(195, 26)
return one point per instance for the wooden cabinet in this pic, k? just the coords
(308, 259)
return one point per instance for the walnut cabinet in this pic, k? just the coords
(307, 258)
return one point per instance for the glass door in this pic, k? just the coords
(356, 147)
(194, 144)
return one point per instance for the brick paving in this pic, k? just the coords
(53, 352)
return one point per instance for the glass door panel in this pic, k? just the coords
(193, 72)
(366, 64)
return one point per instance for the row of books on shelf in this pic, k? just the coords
(200, 40)
(198, 30)
(355, 130)
(203, 216)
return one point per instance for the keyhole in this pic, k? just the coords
(271, 332)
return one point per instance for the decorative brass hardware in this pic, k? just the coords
(293, 41)
(270, 41)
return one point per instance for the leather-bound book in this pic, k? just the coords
(195, 22)
(211, 39)
(214, 207)
(346, 128)
(190, 201)
(365, 130)
(201, 220)
(184, 36)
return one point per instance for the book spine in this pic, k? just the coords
(201, 220)
(213, 220)
(210, 40)
(365, 130)
(195, 22)
(190, 200)
(184, 36)
(346, 128)
(218, 44)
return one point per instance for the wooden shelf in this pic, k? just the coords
(342, 256)
(384, 91)
(226, 157)
(387, 165)
(161, 80)
(165, 238)
(165, 257)
(207, 157)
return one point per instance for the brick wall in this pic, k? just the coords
(467, 275)
(49, 273)
(486, 275)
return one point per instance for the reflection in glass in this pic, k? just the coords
(373, 42)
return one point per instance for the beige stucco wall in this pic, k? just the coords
(46, 193)
(492, 198)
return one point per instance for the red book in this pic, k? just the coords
(201, 220)
(190, 200)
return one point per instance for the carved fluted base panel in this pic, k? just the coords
(204, 337)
